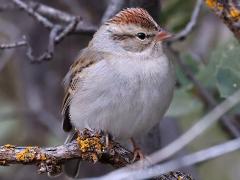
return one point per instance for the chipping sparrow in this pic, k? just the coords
(122, 82)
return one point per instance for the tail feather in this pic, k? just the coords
(71, 168)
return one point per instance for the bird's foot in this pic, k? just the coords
(137, 155)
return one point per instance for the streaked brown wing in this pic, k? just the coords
(72, 81)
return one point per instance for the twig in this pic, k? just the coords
(57, 32)
(51, 12)
(56, 14)
(16, 44)
(48, 54)
(44, 21)
(81, 27)
(197, 129)
(68, 29)
(191, 159)
(56, 36)
(191, 24)
(113, 7)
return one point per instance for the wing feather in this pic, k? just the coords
(72, 81)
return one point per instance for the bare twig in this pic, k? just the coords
(16, 44)
(191, 24)
(197, 129)
(48, 54)
(68, 29)
(56, 36)
(191, 159)
(57, 32)
(81, 27)
(13, 45)
(56, 14)
(51, 12)
(113, 7)
(44, 21)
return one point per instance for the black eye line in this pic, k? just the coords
(121, 36)
(125, 36)
(150, 35)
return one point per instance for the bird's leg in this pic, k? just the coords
(137, 153)
(107, 137)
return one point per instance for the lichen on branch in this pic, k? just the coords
(228, 12)
(89, 146)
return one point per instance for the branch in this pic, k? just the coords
(89, 146)
(58, 15)
(57, 32)
(44, 21)
(51, 12)
(191, 24)
(228, 12)
(197, 129)
(16, 44)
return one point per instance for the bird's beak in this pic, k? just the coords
(163, 35)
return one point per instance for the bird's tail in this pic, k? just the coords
(71, 168)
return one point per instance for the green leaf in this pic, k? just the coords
(223, 70)
(228, 81)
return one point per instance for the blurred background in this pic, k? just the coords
(31, 94)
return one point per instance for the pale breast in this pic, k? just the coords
(123, 97)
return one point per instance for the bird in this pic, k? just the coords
(122, 83)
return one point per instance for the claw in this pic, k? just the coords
(137, 153)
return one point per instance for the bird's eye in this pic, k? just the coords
(141, 35)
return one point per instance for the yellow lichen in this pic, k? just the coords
(26, 155)
(9, 146)
(213, 4)
(41, 157)
(234, 12)
(89, 144)
(180, 178)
